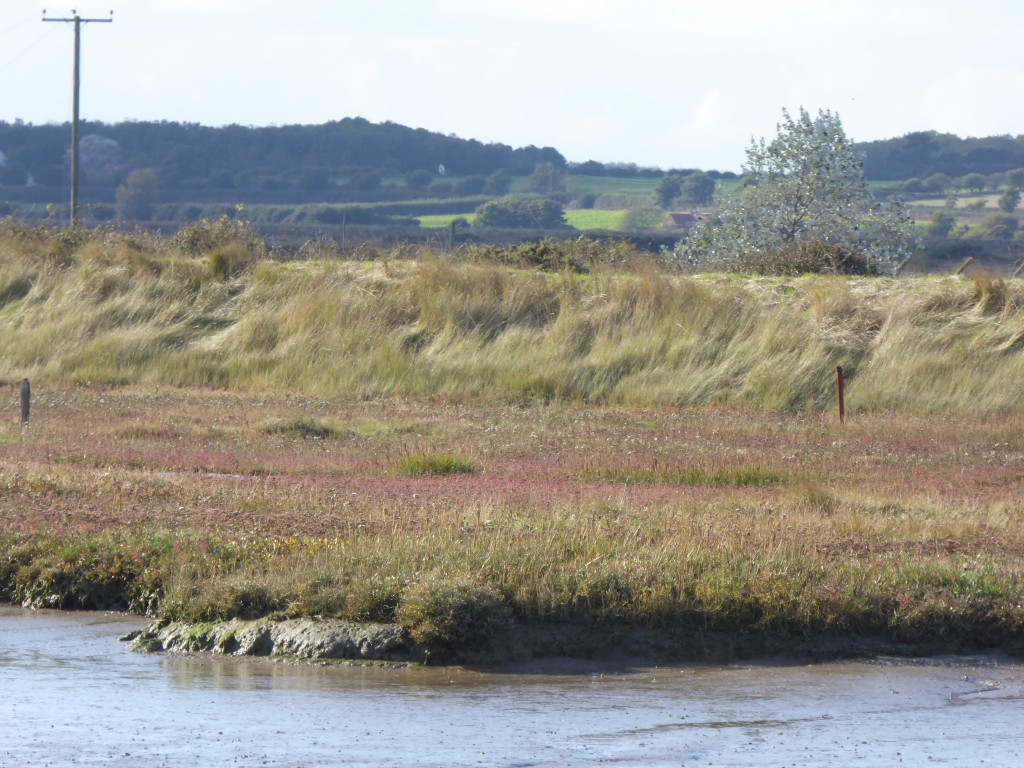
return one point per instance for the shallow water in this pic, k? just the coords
(71, 694)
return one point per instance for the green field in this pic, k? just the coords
(610, 185)
(962, 201)
(584, 219)
(594, 219)
(444, 220)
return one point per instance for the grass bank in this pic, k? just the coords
(597, 324)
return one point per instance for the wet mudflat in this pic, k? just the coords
(71, 694)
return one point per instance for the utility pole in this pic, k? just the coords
(78, 21)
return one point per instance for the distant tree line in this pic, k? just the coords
(924, 154)
(352, 153)
(134, 166)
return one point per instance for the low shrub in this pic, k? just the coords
(208, 235)
(805, 257)
(448, 617)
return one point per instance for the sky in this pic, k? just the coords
(662, 83)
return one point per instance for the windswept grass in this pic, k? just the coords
(108, 309)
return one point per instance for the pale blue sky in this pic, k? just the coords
(655, 82)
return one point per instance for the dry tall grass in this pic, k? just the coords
(115, 309)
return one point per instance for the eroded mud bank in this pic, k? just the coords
(332, 639)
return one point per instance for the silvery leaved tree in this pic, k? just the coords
(806, 186)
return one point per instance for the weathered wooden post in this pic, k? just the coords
(839, 389)
(967, 262)
(26, 401)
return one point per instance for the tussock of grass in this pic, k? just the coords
(304, 428)
(434, 464)
(741, 477)
(450, 617)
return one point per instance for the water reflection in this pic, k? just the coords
(70, 694)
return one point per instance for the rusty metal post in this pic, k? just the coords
(839, 389)
(26, 401)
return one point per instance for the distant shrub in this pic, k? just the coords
(517, 212)
(941, 224)
(418, 179)
(232, 597)
(365, 182)
(470, 185)
(644, 217)
(578, 255)
(206, 235)
(998, 226)
(586, 201)
(742, 477)
(498, 183)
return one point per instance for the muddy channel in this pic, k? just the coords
(72, 694)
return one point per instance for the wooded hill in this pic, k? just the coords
(349, 157)
(924, 153)
(348, 160)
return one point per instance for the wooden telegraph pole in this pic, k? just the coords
(78, 21)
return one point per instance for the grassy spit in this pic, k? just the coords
(631, 446)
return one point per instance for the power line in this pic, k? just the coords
(77, 21)
(15, 25)
(30, 46)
